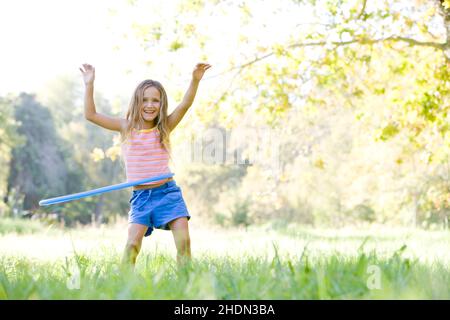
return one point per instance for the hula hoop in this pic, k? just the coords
(75, 196)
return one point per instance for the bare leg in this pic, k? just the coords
(180, 231)
(135, 234)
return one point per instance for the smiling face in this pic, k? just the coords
(151, 105)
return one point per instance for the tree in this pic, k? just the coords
(9, 138)
(332, 59)
(38, 167)
(93, 159)
(385, 61)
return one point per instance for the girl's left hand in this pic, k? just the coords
(199, 70)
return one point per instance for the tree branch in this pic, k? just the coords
(362, 10)
(445, 13)
(363, 41)
(226, 91)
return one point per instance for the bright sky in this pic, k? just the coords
(43, 39)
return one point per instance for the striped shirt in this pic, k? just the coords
(145, 157)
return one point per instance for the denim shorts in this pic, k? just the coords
(156, 207)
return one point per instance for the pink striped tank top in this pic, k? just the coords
(145, 156)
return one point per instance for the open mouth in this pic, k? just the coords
(150, 112)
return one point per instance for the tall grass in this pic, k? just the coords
(20, 226)
(307, 265)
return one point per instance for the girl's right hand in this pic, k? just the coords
(88, 73)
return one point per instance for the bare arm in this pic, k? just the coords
(107, 122)
(178, 114)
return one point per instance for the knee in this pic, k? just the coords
(133, 246)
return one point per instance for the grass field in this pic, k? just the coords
(258, 263)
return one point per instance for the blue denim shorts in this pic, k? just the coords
(156, 207)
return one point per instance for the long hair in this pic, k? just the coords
(134, 117)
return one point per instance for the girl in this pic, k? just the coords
(146, 149)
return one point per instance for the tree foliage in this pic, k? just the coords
(385, 61)
(37, 168)
(355, 93)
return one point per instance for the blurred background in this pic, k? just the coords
(353, 94)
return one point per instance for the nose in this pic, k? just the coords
(148, 104)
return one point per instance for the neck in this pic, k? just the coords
(148, 125)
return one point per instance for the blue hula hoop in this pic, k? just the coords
(75, 196)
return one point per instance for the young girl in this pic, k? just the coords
(146, 148)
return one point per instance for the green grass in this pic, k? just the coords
(254, 264)
(20, 226)
(157, 277)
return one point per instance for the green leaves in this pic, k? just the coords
(388, 131)
(429, 106)
(175, 45)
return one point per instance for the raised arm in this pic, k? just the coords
(107, 122)
(178, 114)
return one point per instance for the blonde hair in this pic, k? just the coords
(134, 117)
